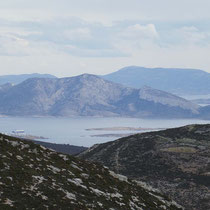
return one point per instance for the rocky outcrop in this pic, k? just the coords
(176, 161)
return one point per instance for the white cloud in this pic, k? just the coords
(138, 31)
(99, 36)
(12, 46)
(193, 35)
(136, 37)
(78, 34)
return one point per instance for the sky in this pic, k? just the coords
(71, 37)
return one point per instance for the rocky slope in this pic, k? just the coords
(173, 80)
(90, 95)
(33, 177)
(176, 161)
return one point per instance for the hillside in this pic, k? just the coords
(62, 148)
(16, 79)
(176, 161)
(205, 112)
(177, 81)
(33, 177)
(90, 95)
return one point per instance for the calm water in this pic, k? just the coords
(72, 130)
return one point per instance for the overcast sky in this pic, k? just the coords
(70, 37)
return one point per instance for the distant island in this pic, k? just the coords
(122, 129)
(117, 135)
(29, 137)
(90, 95)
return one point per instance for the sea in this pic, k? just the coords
(73, 130)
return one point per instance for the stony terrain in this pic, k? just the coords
(176, 161)
(90, 95)
(33, 177)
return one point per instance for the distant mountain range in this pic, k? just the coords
(34, 177)
(90, 95)
(176, 161)
(16, 79)
(177, 81)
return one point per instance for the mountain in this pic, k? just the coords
(90, 95)
(176, 161)
(176, 81)
(16, 79)
(5, 87)
(205, 112)
(33, 177)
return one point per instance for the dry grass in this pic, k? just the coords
(180, 149)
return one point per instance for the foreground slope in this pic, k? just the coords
(90, 95)
(33, 177)
(173, 80)
(176, 161)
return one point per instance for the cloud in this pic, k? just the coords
(77, 34)
(68, 43)
(138, 31)
(11, 45)
(135, 37)
(106, 10)
(192, 35)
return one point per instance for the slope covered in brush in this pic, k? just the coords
(33, 177)
(176, 161)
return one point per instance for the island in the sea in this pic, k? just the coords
(133, 130)
(122, 129)
(21, 134)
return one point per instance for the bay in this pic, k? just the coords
(73, 130)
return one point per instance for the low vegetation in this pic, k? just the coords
(33, 177)
(176, 161)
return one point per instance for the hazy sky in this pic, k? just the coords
(70, 37)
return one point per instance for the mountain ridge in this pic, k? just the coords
(178, 81)
(18, 78)
(90, 95)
